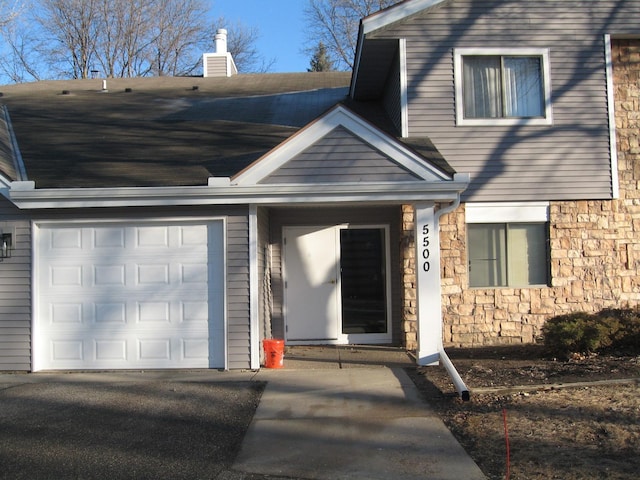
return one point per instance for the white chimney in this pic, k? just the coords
(221, 41)
(220, 63)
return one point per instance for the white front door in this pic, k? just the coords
(311, 284)
(336, 285)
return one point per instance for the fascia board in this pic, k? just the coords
(238, 195)
(396, 13)
(339, 116)
(356, 63)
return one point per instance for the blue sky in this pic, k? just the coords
(281, 25)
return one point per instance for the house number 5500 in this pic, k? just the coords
(426, 265)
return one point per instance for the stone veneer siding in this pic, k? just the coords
(594, 248)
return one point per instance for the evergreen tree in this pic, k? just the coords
(335, 23)
(320, 61)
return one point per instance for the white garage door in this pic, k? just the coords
(124, 296)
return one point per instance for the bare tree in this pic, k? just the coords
(177, 35)
(118, 38)
(73, 27)
(19, 41)
(124, 38)
(122, 24)
(335, 24)
(9, 10)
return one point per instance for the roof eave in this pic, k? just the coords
(395, 13)
(382, 19)
(382, 192)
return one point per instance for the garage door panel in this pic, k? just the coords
(168, 349)
(116, 312)
(108, 237)
(126, 296)
(151, 237)
(64, 240)
(139, 276)
(109, 275)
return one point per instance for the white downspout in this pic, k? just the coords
(458, 383)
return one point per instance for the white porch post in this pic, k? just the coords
(429, 302)
(254, 328)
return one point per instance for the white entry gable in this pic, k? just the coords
(339, 146)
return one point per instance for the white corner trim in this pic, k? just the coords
(509, 212)
(404, 102)
(543, 53)
(23, 185)
(396, 13)
(611, 108)
(218, 181)
(254, 282)
(231, 66)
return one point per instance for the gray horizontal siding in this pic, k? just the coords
(238, 318)
(567, 160)
(15, 293)
(216, 66)
(340, 157)
(15, 280)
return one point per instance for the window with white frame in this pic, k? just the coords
(502, 87)
(508, 253)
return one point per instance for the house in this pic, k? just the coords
(473, 176)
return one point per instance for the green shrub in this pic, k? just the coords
(628, 336)
(608, 330)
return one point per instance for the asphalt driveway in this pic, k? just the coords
(347, 412)
(133, 426)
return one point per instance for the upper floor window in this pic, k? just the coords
(495, 87)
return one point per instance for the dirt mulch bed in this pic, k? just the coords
(575, 419)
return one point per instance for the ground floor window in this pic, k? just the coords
(508, 254)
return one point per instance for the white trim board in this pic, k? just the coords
(396, 13)
(613, 146)
(507, 212)
(543, 53)
(335, 193)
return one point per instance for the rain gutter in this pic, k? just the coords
(26, 196)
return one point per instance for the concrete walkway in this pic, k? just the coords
(345, 414)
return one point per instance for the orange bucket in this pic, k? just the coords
(273, 353)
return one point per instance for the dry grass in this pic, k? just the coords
(575, 433)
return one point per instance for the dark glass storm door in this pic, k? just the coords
(363, 280)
